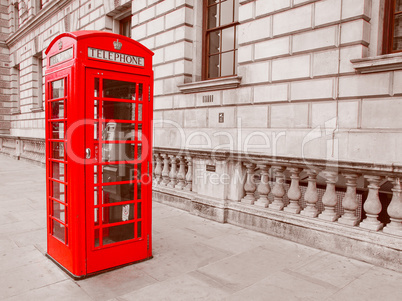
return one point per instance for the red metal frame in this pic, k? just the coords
(77, 252)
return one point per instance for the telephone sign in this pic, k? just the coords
(98, 151)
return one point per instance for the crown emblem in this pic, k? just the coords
(60, 45)
(117, 45)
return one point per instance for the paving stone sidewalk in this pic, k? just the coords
(194, 259)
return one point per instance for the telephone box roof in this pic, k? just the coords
(85, 34)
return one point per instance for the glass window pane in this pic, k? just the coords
(397, 33)
(139, 151)
(118, 173)
(118, 233)
(227, 63)
(117, 152)
(58, 171)
(118, 193)
(59, 211)
(58, 89)
(57, 109)
(57, 130)
(96, 109)
(113, 131)
(213, 70)
(139, 210)
(96, 87)
(213, 16)
(118, 110)
(58, 231)
(139, 192)
(119, 213)
(214, 40)
(139, 112)
(140, 92)
(139, 132)
(226, 12)
(96, 237)
(228, 39)
(95, 196)
(58, 191)
(398, 5)
(139, 229)
(118, 89)
(57, 150)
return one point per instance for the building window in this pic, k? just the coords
(15, 83)
(220, 38)
(38, 78)
(125, 26)
(39, 5)
(16, 16)
(392, 38)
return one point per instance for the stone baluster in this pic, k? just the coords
(372, 206)
(329, 199)
(394, 209)
(311, 195)
(294, 192)
(263, 188)
(173, 171)
(181, 175)
(278, 190)
(165, 171)
(249, 186)
(158, 169)
(349, 201)
(189, 175)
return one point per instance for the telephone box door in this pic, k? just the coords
(117, 168)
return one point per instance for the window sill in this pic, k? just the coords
(387, 62)
(36, 109)
(211, 85)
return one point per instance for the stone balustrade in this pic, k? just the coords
(344, 193)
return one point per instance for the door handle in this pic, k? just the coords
(88, 153)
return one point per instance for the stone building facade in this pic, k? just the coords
(276, 115)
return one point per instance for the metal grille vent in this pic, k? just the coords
(207, 98)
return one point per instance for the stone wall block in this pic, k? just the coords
(292, 20)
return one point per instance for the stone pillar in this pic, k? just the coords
(165, 171)
(394, 209)
(278, 190)
(311, 195)
(249, 186)
(329, 199)
(294, 192)
(263, 188)
(349, 202)
(189, 175)
(158, 169)
(173, 171)
(372, 206)
(181, 175)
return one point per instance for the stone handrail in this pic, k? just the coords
(174, 169)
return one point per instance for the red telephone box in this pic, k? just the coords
(99, 89)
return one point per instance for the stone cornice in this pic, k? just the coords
(211, 85)
(387, 62)
(42, 16)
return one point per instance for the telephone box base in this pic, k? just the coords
(75, 277)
